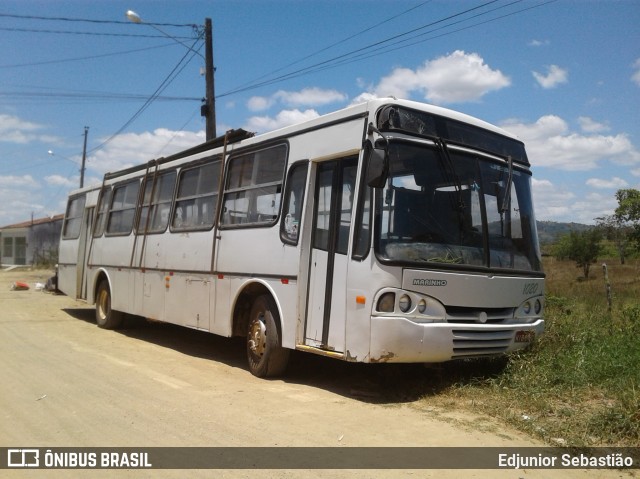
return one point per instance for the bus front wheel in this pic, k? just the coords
(105, 316)
(267, 358)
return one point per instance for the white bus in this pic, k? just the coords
(390, 231)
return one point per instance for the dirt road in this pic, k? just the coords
(66, 382)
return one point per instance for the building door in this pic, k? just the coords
(20, 250)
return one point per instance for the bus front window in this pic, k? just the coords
(453, 207)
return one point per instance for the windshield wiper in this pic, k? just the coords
(443, 151)
(506, 200)
(444, 155)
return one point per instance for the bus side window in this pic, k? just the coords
(73, 217)
(154, 213)
(362, 232)
(123, 208)
(103, 209)
(293, 201)
(197, 198)
(253, 187)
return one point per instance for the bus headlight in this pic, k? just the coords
(408, 305)
(530, 309)
(386, 303)
(422, 306)
(404, 303)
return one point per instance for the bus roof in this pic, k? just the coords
(245, 138)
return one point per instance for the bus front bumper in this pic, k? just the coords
(400, 340)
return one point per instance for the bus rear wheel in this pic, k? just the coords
(266, 356)
(106, 318)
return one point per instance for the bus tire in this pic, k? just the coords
(265, 354)
(106, 317)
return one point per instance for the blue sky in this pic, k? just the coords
(563, 75)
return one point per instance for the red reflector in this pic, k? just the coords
(284, 281)
(221, 276)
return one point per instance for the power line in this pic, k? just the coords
(165, 83)
(97, 34)
(304, 70)
(92, 96)
(389, 48)
(90, 57)
(340, 42)
(367, 51)
(89, 20)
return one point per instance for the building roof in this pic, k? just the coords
(40, 221)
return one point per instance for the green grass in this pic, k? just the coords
(579, 385)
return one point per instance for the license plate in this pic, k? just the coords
(525, 336)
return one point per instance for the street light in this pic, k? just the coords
(84, 157)
(208, 110)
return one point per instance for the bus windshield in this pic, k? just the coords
(452, 206)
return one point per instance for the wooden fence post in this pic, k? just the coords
(607, 285)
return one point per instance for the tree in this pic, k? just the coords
(628, 210)
(618, 231)
(582, 247)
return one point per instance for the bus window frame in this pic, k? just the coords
(212, 160)
(115, 187)
(228, 191)
(363, 190)
(286, 196)
(96, 221)
(141, 229)
(68, 219)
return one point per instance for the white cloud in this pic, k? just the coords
(551, 202)
(613, 183)
(310, 97)
(24, 181)
(558, 203)
(589, 125)
(538, 43)
(636, 75)
(307, 97)
(554, 77)
(19, 197)
(282, 119)
(550, 143)
(363, 97)
(259, 103)
(16, 130)
(131, 149)
(458, 77)
(593, 205)
(58, 180)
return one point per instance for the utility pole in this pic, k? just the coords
(84, 156)
(208, 110)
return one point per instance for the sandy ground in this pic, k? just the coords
(65, 382)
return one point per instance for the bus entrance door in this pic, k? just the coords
(333, 203)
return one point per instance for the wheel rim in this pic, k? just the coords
(103, 305)
(258, 336)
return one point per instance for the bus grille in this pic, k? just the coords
(472, 343)
(462, 315)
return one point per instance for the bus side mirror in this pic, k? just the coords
(378, 167)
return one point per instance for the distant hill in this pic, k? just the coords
(550, 231)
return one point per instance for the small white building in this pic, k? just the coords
(31, 242)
